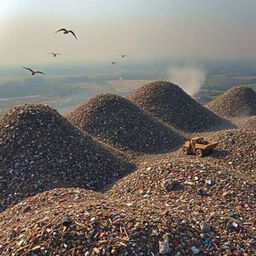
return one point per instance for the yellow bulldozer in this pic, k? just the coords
(198, 146)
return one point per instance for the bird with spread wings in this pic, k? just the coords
(34, 72)
(65, 31)
(54, 54)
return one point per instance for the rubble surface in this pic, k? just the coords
(238, 101)
(236, 149)
(170, 104)
(246, 123)
(116, 120)
(171, 205)
(41, 150)
(77, 222)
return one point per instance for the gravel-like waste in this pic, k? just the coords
(170, 104)
(75, 222)
(41, 150)
(246, 123)
(239, 101)
(220, 201)
(211, 212)
(236, 149)
(124, 125)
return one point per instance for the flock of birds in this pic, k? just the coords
(65, 31)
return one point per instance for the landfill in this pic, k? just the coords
(119, 122)
(170, 104)
(102, 203)
(41, 150)
(238, 101)
(246, 123)
(236, 149)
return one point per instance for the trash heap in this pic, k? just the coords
(170, 206)
(218, 201)
(73, 222)
(121, 123)
(236, 149)
(250, 123)
(41, 150)
(237, 102)
(170, 104)
(173, 204)
(247, 122)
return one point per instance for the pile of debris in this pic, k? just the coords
(173, 204)
(121, 123)
(246, 123)
(219, 201)
(169, 207)
(237, 102)
(170, 104)
(73, 222)
(236, 149)
(41, 150)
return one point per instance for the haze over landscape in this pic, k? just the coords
(145, 29)
(128, 127)
(180, 41)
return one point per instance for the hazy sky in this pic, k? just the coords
(143, 29)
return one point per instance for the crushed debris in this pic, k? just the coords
(41, 150)
(116, 120)
(238, 101)
(170, 104)
(246, 123)
(236, 149)
(173, 204)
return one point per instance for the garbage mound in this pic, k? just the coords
(41, 150)
(62, 223)
(217, 198)
(173, 207)
(121, 123)
(247, 123)
(236, 102)
(170, 104)
(236, 149)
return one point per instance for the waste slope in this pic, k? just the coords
(239, 101)
(236, 148)
(116, 120)
(247, 123)
(40, 150)
(68, 222)
(170, 104)
(202, 192)
(142, 217)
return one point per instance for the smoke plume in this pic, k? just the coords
(189, 79)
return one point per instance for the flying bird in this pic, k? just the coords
(114, 62)
(123, 55)
(34, 72)
(119, 75)
(54, 54)
(65, 31)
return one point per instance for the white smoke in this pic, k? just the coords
(190, 79)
